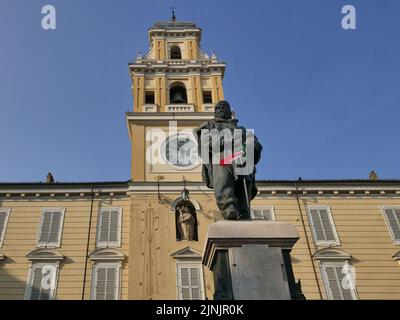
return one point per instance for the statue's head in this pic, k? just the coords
(184, 209)
(223, 110)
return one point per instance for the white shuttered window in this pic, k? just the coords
(263, 213)
(42, 283)
(51, 225)
(106, 281)
(109, 227)
(338, 281)
(4, 214)
(322, 225)
(392, 217)
(190, 282)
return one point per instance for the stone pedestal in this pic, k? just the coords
(250, 260)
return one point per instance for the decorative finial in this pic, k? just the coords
(173, 14)
(139, 56)
(49, 178)
(213, 55)
(373, 176)
(184, 192)
(184, 181)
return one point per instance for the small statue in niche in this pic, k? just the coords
(186, 222)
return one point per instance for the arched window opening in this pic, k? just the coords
(177, 94)
(176, 53)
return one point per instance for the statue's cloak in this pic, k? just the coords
(207, 169)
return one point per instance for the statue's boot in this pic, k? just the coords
(243, 215)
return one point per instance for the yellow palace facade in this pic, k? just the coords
(119, 240)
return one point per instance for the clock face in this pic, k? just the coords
(180, 150)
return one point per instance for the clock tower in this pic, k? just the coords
(175, 87)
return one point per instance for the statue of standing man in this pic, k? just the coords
(224, 162)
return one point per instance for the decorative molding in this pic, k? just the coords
(186, 253)
(141, 116)
(150, 108)
(45, 254)
(106, 254)
(331, 254)
(180, 107)
(208, 107)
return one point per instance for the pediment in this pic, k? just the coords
(331, 254)
(107, 254)
(186, 253)
(45, 254)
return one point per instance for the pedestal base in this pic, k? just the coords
(250, 260)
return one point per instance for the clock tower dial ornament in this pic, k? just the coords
(180, 150)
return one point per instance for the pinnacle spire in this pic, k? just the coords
(173, 18)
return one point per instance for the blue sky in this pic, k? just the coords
(323, 101)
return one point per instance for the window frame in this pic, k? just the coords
(7, 212)
(109, 244)
(29, 283)
(327, 243)
(192, 264)
(117, 266)
(390, 207)
(149, 93)
(60, 232)
(210, 96)
(261, 207)
(325, 278)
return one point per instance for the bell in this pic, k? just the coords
(178, 95)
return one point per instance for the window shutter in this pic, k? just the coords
(106, 283)
(111, 283)
(335, 280)
(327, 225)
(46, 225)
(2, 223)
(267, 214)
(109, 232)
(262, 214)
(101, 283)
(393, 218)
(36, 284)
(185, 284)
(258, 214)
(51, 224)
(38, 291)
(114, 226)
(190, 283)
(104, 226)
(323, 227)
(195, 283)
(46, 292)
(55, 227)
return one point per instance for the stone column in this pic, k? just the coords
(250, 260)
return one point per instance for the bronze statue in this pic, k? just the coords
(186, 223)
(233, 190)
